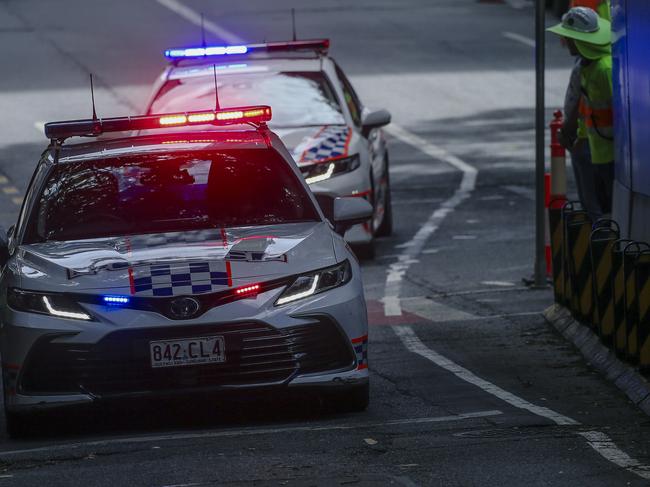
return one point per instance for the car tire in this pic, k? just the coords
(386, 227)
(353, 400)
(18, 425)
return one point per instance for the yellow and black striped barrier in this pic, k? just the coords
(631, 253)
(603, 237)
(642, 275)
(577, 232)
(556, 227)
(618, 291)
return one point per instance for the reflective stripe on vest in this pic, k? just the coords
(597, 117)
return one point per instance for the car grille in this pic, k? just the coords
(256, 354)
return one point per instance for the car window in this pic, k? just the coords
(297, 98)
(351, 98)
(169, 192)
(31, 189)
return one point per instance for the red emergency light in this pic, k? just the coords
(255, 115)
(319, 45)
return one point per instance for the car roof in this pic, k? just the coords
(155, 142)
(244, 65)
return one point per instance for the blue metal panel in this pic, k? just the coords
(621, 97)
(638, 71)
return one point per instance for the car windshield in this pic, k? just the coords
(169, 192)
(297, 99)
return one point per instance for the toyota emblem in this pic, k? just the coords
(184, 308)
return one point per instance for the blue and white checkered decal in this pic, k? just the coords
(179, 279)
(360, 346)
(329, 143)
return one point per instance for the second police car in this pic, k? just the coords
(337, 142)
(177, 262)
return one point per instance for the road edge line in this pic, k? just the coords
(412, 248)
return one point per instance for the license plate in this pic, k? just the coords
(187, 351)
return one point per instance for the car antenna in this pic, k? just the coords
(293, 23)
(92, 97)
(203, 43)
(216, 88)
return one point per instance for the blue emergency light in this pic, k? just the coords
(319, 45)
(116, 300)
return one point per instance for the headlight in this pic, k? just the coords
(316, 282)
(321, 171)
(46, 303)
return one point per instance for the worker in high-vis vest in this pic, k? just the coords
(588, 36)
(573, 134)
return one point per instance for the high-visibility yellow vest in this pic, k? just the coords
(596, 108)
(602, 7)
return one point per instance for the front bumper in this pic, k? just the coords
(318, 343)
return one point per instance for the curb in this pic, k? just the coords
(601, 358)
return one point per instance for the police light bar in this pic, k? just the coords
(320, 45)
(255, 115)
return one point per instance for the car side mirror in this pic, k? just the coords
(374, 120)
(4, 245)
(350, 211)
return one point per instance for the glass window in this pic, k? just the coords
(171, 192)
(297, 98)
(351, 98)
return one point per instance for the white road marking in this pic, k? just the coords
(519, 38)
(498, 283)
(412, 249)
(413, 344)
(430, 251)
(599, 441)
(604, 445)
(195, 17)
(255, 432)
(527, 193)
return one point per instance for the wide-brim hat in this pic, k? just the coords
(593, 51)
(584, 24)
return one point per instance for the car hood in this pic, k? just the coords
(184, 263)
(311, 144)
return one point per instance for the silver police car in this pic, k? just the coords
(177, 262)
(336, 141)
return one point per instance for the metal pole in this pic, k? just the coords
(540, 127)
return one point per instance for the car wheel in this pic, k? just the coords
(386, 227)
(353, 400)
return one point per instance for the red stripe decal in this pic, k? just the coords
(347, 141)
(10, 366)
(361, 194)
(360, 339)
(362, 366)
(229, 272)
(131, 281)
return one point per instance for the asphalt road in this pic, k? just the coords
(469, 386)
